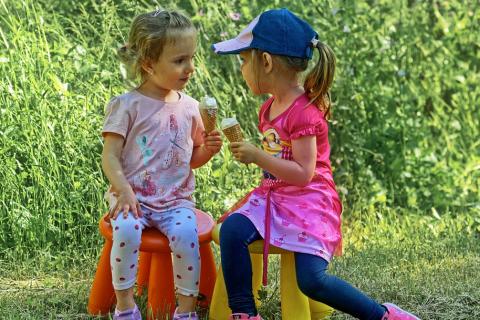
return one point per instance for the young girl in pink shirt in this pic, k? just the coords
(296, 206)
(154, 137)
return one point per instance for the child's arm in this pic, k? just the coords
(126, 200)
(298, 172)
(203, 153)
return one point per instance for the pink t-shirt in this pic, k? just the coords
(159, 140)
(300, 119)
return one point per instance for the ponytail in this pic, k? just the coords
(128, 58)
(319, 80)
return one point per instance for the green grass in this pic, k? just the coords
(427, 265)
(405, 144)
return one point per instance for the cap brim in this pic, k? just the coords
(231, 46)
(238, 44)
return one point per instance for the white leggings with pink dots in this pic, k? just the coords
(179, 225)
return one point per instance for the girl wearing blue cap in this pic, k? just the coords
(296, 207)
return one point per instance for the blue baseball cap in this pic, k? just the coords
(276, 31)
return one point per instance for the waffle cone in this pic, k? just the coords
(233, 133)
(209, 118)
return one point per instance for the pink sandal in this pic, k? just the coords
(396, 313)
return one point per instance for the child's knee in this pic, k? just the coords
(311, 283)
(232, 230)
(306, 286)
(185, 239)
(126, 229)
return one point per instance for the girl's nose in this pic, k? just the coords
(190, 67)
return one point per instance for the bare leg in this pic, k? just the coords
(125, 299)
(186, 304)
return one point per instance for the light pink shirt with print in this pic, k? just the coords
(159, 140)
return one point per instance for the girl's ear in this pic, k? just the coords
(267, 62)
(147, 66)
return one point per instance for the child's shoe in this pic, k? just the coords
(185, 316)
(241, 316)
(130, 314)
(396, 313)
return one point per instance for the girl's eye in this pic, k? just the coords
(179, 61)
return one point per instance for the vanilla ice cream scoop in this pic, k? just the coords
(208, 112)
(228, 122)
(208, 103)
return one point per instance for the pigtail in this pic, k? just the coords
(319, 80)
(128, 58)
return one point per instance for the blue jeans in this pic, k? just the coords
(238, 232)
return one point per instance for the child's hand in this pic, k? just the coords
(126, 201)
(213, 142)
(244, 152)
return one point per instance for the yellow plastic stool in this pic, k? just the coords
(295, 305)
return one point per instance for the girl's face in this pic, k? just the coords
(174, 67)
(247, 68)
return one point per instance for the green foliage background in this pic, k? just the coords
(405, 130)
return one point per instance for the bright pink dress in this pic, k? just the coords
(302, 219)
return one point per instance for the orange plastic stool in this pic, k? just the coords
(155, 270)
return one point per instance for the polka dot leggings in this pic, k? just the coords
(179, 225)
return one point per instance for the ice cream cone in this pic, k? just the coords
(208, 112)
(231, 129)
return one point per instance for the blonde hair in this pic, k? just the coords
(319, 80)
(148, 35)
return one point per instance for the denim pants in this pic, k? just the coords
(238, 232)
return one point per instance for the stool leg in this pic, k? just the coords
(208, 273)
(219, 309)
(161, 296)
(102, 296)
(295, 304)
(143, 271)
(319, 310)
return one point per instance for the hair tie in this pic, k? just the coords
(156, 13)
(314, 42)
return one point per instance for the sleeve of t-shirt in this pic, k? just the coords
(306, 121)
(116, 118)
(197, 127)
